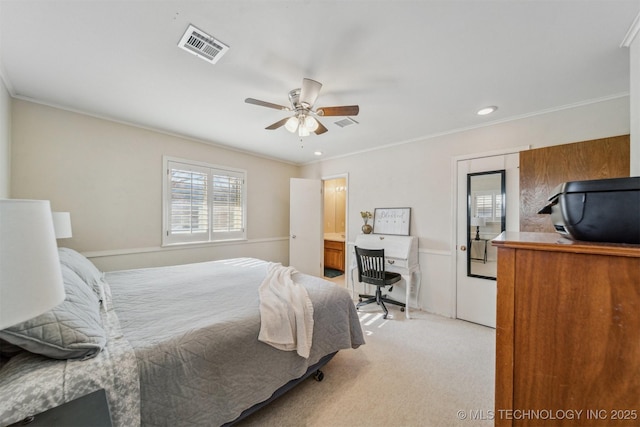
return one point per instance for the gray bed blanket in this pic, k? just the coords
(194, 329)
(31, 384)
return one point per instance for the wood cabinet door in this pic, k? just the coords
(542, 169)
(576, 338)
(334, 255)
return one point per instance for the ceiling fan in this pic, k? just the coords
(304, 120)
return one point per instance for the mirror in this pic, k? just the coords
(485, 221)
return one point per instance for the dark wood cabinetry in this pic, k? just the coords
(568, 332)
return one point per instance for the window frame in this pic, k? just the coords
(171, 239)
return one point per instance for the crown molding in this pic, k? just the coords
(632, 33)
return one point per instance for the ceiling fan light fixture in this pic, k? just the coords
(310, 123)
(303, 131)
(302, 102)
(292, 124)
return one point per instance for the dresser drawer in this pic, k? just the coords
(396, 262)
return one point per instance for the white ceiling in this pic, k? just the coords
(415, 68)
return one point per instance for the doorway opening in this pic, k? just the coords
(334, 228)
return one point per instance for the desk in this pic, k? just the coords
(401, 254)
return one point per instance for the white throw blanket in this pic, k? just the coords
(286, 311)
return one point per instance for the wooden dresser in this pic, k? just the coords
(568, 332)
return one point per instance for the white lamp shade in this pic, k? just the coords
(30, 275)
(62, 224)
(478, 221)
(303, 131)
(292, 124)
(310, 123)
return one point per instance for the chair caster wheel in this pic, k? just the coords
(402, 309)
(359, 299)
(318, 375)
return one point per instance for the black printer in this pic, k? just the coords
(601, 210)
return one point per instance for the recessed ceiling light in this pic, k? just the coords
(317, 153)
(487, 110)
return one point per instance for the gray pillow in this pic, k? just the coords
(84, 268)
(71, 330)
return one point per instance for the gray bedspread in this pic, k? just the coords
(31, 384)
(194, 330)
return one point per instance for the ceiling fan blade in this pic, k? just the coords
(345, 110)
(266, 104)
(321, 129)
(278, 124)
(309, 91)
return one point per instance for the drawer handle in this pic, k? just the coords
(390, 261)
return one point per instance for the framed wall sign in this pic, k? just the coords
(391, 221)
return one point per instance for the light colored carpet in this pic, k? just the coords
(417, 372)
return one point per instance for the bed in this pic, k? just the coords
(181, 345)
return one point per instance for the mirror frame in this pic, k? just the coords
(502, 173)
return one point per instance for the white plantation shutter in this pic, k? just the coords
(228, 209)
(484, 206)
(203, 203)
(487, 205)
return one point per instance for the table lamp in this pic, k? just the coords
(478, 222)
(30, 276)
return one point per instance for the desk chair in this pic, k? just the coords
(371, 270)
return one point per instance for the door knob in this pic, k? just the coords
(293, 236)
(463, 248)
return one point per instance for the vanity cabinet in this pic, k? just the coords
(334, 255)
(567, 333)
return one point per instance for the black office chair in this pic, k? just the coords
(371, 270)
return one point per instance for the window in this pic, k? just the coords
(202, 203)
(487, 205)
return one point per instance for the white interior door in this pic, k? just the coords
(305, 226)
(476, 297)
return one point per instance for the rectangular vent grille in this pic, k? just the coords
(347, 121)
(202, 44)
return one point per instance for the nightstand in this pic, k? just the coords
(89, 410)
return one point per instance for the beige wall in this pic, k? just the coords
(5, 142)
(109, 176)
(419, 175)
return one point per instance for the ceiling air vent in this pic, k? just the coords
(202, 44)
(347, 121)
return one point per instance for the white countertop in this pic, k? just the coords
(335, 237)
